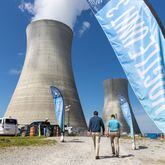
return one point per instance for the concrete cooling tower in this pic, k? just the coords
(47, 63)
(112, 89)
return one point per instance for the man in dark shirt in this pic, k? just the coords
(95, 125)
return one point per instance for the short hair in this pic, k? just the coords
(112, 116)
(95, 113)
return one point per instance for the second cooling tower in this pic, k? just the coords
(47, 63)
(112, 89)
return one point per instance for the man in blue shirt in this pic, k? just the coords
(95, 125)
(114, 132)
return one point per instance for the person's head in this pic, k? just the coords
(46, 119)
(95, 113)
(113, 116)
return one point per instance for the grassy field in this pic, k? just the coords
(24, 141)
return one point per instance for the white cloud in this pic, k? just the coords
(85, 26)
(65, 11)
(15, 72)
(27, 6)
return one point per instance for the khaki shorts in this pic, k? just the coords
(114, 134)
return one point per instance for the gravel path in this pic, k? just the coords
(79, 151)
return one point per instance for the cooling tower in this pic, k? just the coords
(112, 89)
(47, 63)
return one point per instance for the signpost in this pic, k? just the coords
(59, 109)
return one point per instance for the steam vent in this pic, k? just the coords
(47, 63)
(112, 89)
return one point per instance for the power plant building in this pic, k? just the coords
(47, 63)
(112, 89)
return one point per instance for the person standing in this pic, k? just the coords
(114, 133)
(46, 127)
(95, 125)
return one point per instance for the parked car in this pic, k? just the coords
(8, 126)
(69, 130)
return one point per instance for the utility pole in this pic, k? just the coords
(67, 109)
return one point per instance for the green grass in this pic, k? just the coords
(24, 141)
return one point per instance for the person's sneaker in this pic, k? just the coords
(97, 157)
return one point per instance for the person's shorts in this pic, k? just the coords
(114, 134)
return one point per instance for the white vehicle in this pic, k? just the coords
(69, 130)
(8, 126)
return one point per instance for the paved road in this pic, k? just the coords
(75, 151)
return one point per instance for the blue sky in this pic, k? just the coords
(92, 56)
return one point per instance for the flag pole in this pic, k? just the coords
(128, 115)
(133, 134)
(133, 140)
(62, 139)
(59, 109)
(63, 122)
